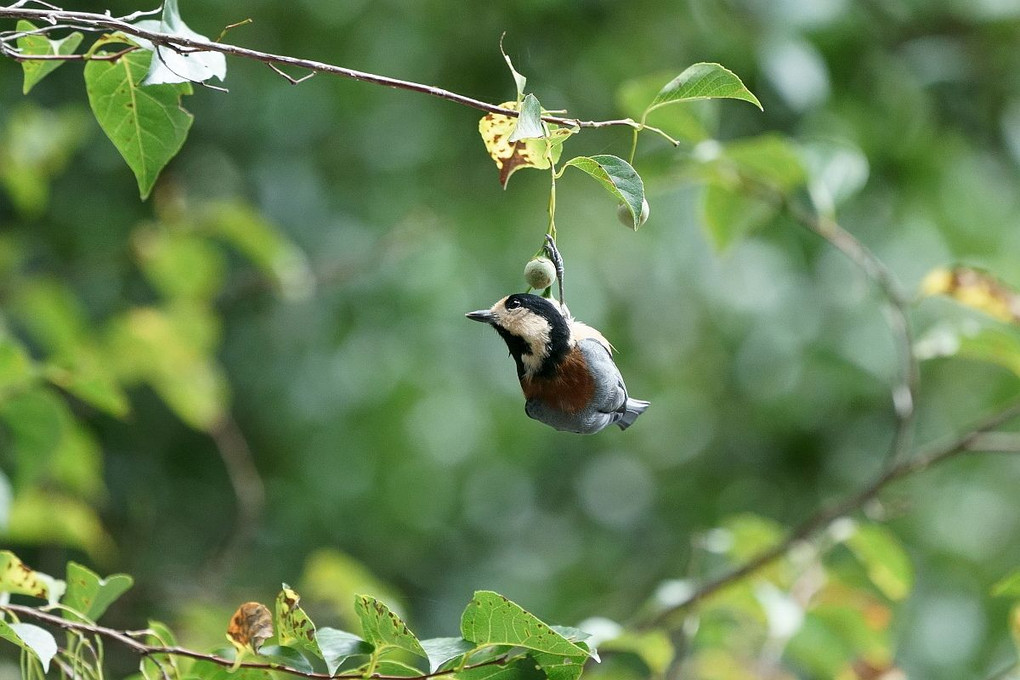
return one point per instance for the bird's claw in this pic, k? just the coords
(557, 260)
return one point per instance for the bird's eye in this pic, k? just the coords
(513, 303)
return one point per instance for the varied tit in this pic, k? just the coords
(566, 368)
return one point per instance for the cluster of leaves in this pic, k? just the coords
(497, 638)
(56, 360)
(134, 87)
(528, 141)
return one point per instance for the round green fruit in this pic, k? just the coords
(623, 213)
(540, 273)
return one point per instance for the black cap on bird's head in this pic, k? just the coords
(534, 329)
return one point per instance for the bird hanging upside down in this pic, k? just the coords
(565, 367)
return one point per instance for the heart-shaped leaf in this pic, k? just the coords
(146, 124)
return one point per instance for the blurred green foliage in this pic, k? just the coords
(303, 267)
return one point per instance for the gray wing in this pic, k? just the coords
(610, 390)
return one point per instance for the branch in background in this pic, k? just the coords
(905, 394)
(91, 21)
(966, 443)
(244, 478)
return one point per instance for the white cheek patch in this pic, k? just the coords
(527, 325)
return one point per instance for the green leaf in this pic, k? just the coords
(1008, 586)
(561, 667)
(520, 669)
(293, 627)
(529, 122)
(884, 559)
(180, 264)
(17, 370)
(36, 144)
(337, 646)
(519, 80)
(491, 619)
(36, 421)
(382, 628)
(264, 244)
(40, 45)
(18, 579)
(443, 650)
(617, 177)
(146, 124)
(43, 516)
(89, 594)
(163, 666)
(36, 640)
(729, 215)
(770, 158)
(703, 81)
(398, 668)
(172, 349)
(87, 375)
(169, 66)
(286, 656)
(334, 577)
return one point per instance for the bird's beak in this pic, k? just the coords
(483, 315)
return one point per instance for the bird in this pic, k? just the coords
(566, 369)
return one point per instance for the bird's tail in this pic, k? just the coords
(632, 409)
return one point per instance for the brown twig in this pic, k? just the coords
(821, 519)
(147, 650)
(92, 20)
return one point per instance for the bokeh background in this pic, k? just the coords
(388, 432)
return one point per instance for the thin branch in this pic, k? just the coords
(905, 394)
(244, 478)
(146, 650)
(180, 42)
(825, 516)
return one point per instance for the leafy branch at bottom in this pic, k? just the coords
(497, 636)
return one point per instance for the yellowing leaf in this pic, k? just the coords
(496, 131)
(250, 626)
(975, 288)
(17, 578)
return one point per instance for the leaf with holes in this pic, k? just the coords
(491, 619)
(146, 124)
(382, 628)
(293, 626)
(40, 45)
(703, 81)
(89, 594)
(618, 178)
